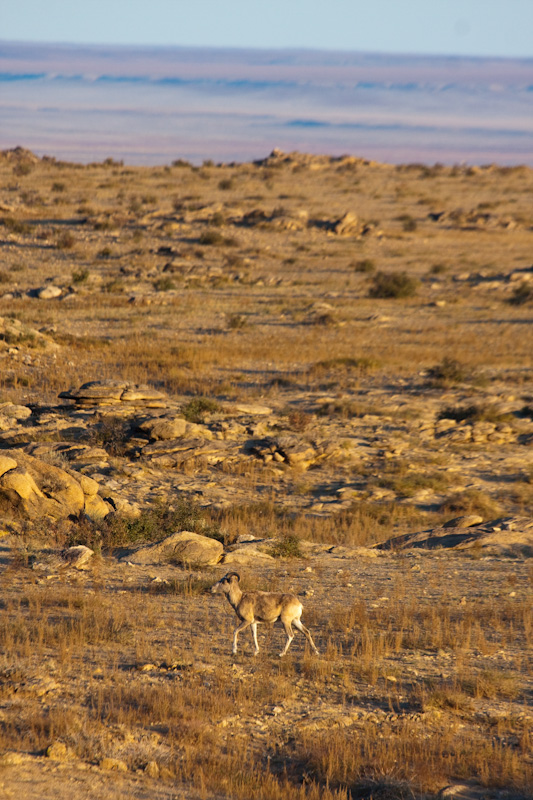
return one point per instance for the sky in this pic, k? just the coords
(502, 28)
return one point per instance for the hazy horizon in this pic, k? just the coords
(153, 104)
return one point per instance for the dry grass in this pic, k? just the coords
(71, 672)
(364, 341)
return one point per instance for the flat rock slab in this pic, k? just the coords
(507, 536)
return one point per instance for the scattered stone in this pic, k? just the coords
(113, 764)
(347, 225)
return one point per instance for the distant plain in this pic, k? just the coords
(149, 106)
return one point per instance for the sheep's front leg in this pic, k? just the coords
(238, 629)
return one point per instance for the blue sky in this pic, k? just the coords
(455, 27)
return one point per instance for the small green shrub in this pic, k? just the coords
(152, 525)
(236, 322)
(164, 284)
(287, 547)
(225, 184)
(365, 265)
(195, 410)
(393, 285)
(449, 371)
(80, 275)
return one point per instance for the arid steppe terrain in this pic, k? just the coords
(297, 360)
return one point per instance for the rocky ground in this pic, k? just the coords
(325, 366)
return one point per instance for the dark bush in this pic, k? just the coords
(448, 371)
(393, 285)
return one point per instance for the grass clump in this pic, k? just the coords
(65, 241)
(393, 285)
(236, 322)
(216, 238)
(522, 294)
(472, 501)
(473, 413)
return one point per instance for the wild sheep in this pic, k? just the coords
(254, 607)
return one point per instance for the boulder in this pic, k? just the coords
(15, 412)
(164, 428)
(184, 547)
(49, 292)
(78, 556)
(348, 224)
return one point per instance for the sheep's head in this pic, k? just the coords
(225, 583)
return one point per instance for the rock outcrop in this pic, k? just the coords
(106, 393)
(33, 489)
(511, 536)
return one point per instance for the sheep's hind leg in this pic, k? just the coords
(306, 632)
(290, 637)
